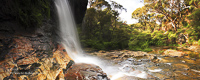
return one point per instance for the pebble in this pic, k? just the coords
(157, 65)
(186, 69)
(183, 61)
(193, 59)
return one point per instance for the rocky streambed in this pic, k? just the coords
(138, 65)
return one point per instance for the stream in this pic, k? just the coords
(136, 65)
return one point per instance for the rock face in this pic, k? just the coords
(32, 58)
(32, 53)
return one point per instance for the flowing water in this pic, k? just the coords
(71, 42)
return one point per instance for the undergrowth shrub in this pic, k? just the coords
(139, 41)
(172, 38)
(159, 38)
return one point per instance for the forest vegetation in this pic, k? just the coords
(160, 23)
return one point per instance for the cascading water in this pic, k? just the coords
(68, 33)
(71, 43)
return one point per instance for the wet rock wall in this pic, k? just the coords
(33, 52)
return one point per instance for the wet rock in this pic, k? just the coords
(185, 54)
(26, 60)
(101, 51)
(129, 78)
(195, 48)
(193, 59)
(130, 59)
(186, 69)
(180, 67)
(32, 52)
(85, 72)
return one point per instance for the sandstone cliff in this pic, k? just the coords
(29, 44)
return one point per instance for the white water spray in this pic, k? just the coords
(71, 41)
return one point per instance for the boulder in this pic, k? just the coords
(194, 48)
(85, 72)
(174, 53)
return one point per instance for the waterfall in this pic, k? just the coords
(68, 33)
(67, 29)
(70, 40)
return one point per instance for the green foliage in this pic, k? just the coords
(159, 38)
(199, 42)
(172, 37)
(139, 41)
(30, 13)
(194, 3)
(185, 45)
(145, 18)
(191, 40)
(103, 45)
(160, 52)
(94, 44)
(195, 23)
(101, 28)
(172, 11)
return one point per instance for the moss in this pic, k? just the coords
(194, 55)
(162, 51)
